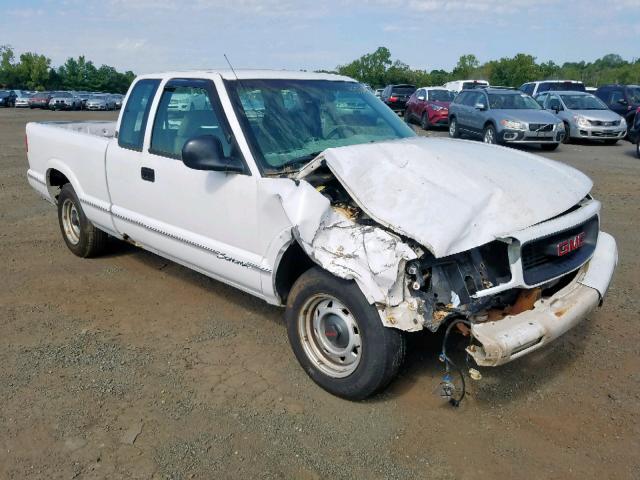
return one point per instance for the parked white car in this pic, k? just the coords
(363, 230)
(459, 85)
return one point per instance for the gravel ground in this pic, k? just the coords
(131, 366)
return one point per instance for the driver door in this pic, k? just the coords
(206, 220)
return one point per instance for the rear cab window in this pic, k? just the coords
(136, 114)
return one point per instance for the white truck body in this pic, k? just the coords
(421, 200)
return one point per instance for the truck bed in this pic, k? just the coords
(76, 150)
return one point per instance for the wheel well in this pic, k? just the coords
(294, 262)
(487, 123)
(55, 181)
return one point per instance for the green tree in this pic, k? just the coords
(32, 71)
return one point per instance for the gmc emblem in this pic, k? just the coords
(569, 245)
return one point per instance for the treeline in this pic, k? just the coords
(378, 69)
(32, 71)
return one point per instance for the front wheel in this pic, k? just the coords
(453, 128)
(490, 136)
(424, 121)
(338, 337)
(81, 237)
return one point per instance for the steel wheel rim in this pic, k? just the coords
(489, 137)
(330, 336)
(452, 128)
(71, 221)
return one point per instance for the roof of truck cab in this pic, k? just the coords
(244, 74)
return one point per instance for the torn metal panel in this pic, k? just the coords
(451, 196)
(371, 256)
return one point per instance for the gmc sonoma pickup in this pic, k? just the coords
(307, 191)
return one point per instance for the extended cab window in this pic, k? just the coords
(136, 113)
(185, 112)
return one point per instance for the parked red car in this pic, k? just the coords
(429, 106)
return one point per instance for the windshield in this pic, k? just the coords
(405, 90)
(441, 95)
(289, 122)
(510, 101)
(633, 94)
(583, 102)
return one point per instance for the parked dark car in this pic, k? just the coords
(40, 100)
(396, 96)
(622, 99)
(7, 98)
(429, 106)
(634, 132)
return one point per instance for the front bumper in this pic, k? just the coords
(440, 117)
(525, 136)
(598, 133)
(515, 336)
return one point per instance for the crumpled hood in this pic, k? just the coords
(453, 195)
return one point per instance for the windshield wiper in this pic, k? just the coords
(303, 159)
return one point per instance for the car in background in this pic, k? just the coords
(22, 99)
(459, 85)
(65, 101)
(585, 116)
(40, 100)
(378, 92)
(7, 98)
(84, 96)
(501, 116)
(536, 88)
(634, 132)
(98, 102)
(622, 99)
(396, 96)
(117, 100)
(429, 106)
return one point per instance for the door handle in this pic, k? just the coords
(148, 174)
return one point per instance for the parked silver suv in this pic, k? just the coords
(584, 116)
(503, 116)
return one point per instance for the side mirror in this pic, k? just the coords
(622, 101)
(422, 98)
(480, 106)
(205, 153)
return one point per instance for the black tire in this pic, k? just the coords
(612, 141)
(490, 136)
(549, 147)
(567, 134)
(382, 348)
(407, 117)
(454, 131)
(81, 237)
(424, 121)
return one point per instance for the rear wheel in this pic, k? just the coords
(81, 237)
(424, 121)
(407, 116)
(338, 337)
(453, 128)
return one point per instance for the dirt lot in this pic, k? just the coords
(130, 366)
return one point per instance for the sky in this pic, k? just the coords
(155, 35)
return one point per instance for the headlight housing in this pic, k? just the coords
(560, 126)
(513, 125)
(581, 121)
(623, 123)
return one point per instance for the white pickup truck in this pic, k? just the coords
(307, 191)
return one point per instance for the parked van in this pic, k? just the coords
(535, 88)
